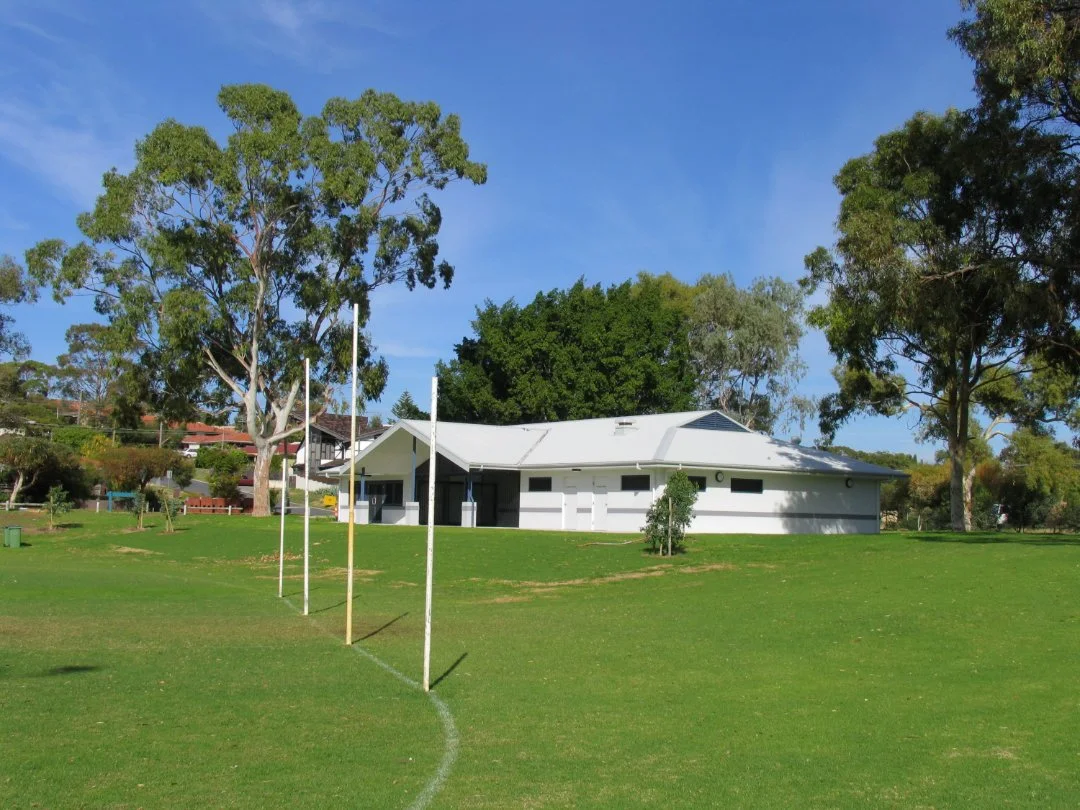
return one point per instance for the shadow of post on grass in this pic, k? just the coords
(68, 669)
(382, 627)
(452, 667)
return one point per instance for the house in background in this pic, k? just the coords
(603, 474)
(330, 448)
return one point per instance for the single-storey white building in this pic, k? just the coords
(602, 475)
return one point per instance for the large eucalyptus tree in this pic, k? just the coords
(232, 262)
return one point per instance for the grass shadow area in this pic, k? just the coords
(69, 669)
(1003, 537)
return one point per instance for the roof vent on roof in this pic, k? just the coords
(624, 426)
(716, 421)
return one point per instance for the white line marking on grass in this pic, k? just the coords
(450, 733)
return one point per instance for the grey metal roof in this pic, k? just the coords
(687, 439)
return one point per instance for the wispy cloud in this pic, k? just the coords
(392, 348)
(10, 222)
(60, 113)
(318, 34)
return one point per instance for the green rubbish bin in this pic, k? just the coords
(13, 536)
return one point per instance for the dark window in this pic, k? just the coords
(540, 484)
(698, 481)
(635, 483)
(752, 485)
(389, 493)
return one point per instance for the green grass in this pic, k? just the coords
(888, 671)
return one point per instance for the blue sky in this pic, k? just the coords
(684, 137)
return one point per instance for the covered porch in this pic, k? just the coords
(392, 477)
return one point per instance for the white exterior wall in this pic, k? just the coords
(593, 500)
(578, 498)
(790, 504)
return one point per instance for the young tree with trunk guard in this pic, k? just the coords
(240, 260)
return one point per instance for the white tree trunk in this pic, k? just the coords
(18, 485)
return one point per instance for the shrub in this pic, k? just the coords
(221, 459)
(225, 485)
(133, 467)
(670, 515)
(74, 437)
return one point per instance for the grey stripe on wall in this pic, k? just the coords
(720, 513)
(809, 515)
(554, 509)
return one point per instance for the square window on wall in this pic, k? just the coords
(540, 484)
(752, 486)
(698, 481)
(636, 483)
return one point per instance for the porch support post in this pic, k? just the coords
(412, 492)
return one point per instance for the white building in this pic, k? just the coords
(602, 475)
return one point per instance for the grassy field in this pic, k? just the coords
(151, 670)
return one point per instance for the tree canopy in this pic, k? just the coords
(230, 263)
(745, 348)
(95, 371)
(579, 353)
(931, 304)
(1027, 60)
(406, 408)
(652, 345)
(15, 288)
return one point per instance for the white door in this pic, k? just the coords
(569, 509)
(599, 509)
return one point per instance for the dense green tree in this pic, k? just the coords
(929, 306)
(24, 391)
(93, 369)
(572, 354)
(221, 459)
(1040, 478)
(15, 288)
(25, 459)
(132, 468)
(406, 408)
(1027, 58)
(745, 348)
(233, 262)
(76, 437)
(1026, 52)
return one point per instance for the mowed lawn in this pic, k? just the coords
(152, 670)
